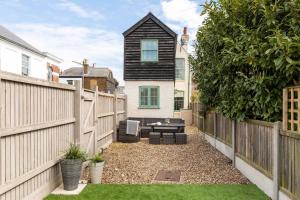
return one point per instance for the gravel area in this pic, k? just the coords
(198, 162)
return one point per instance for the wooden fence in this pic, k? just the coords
(262, 145)
(38, 121)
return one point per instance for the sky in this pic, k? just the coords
(92, 29)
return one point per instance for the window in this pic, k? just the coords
(179, 72)
(25, 65)
(149, 97)
(49, 75)
(93, 84)
(178, 100)
(149, 50)
(70, 82)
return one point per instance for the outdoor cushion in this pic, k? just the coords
(132, 127)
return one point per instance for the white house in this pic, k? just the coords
(18, 56)
(149, 68)
(183, 76)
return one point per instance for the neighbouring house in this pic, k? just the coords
(19, 57)
(183, 76)
(149, 68)
(120, 90)
(90, 77)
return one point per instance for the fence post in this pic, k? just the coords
(233, 129)
(77, 112)
(215, 128)
(276, 138)
(95, 119)
(285, 108)
(115, 117)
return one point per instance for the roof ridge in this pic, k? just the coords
(150, 15)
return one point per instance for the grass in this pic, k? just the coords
(166, 192)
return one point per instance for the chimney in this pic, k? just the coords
(85, 64)
(185, 38)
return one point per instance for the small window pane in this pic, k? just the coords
(70, 82)
(25, 65)
(179, 69)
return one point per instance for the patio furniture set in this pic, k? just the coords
(158, 130)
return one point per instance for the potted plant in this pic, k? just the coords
(96, 168)
(71, 167)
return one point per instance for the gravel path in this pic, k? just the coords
(198, 162)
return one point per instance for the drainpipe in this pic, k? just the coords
(189, 86)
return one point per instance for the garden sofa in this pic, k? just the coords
(145, 129)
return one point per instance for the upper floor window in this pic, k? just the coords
(25, 65)
(49, 74)
(149, 50)
(180, 71)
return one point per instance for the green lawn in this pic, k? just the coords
(166, 192)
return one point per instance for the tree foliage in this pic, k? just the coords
(246, 52)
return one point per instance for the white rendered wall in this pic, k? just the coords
(11, 60)
(186, 84)
(166, 109)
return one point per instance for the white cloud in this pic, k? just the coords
(180, 13)
(74, 43)
(80, 11)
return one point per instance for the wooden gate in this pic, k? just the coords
(88, 134)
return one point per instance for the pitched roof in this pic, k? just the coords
(155, 19)
(93, 72)
(9, 36)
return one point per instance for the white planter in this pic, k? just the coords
(96, 170)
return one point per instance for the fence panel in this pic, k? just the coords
(290, 163)
(105, 120)
(37, 125)
(209, 123)
(198, 115)
(254, 144)
(38, 121)
(121, 108)
(224, 129)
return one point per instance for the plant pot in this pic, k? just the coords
(96, 170)
(71, 170)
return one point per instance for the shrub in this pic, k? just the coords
(96, 158)
(246, 52)
(74, 152)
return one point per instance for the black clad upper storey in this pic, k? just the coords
(149, 27)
